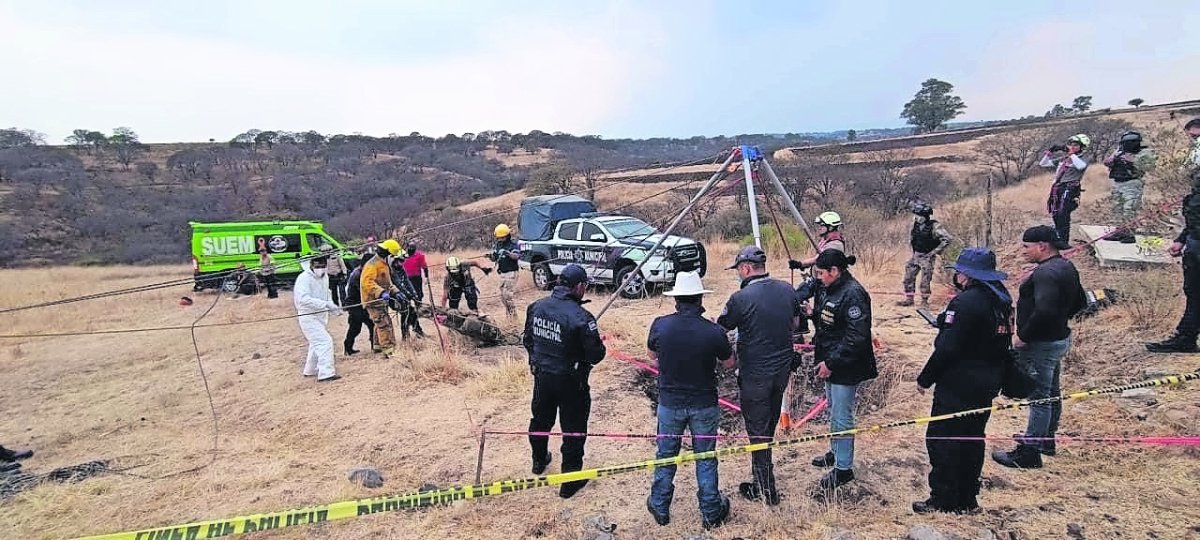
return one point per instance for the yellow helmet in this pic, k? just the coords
(502, 230)
(452, 264)
(392, 246)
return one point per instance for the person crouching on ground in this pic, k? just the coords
(687, 348)
(844, 354)
(459, 283)
(564, 345)
(965, 371)
(313, 305)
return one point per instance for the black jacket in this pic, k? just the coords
(504, 263)
(560, 336)
(842, 315)
(1050, 296)
(971, 348)
(688, 348)
(353, 289)
(762, 312)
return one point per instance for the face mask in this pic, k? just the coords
(319, 272)
(958, 282)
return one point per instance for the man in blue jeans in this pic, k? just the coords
(687, 348)
(1049, 298)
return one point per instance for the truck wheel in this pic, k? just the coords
(543, 278)
(636, 288)
(229, 285)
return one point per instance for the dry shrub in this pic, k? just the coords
(431, 365)
(968, 224)
(877, 243)
(876, 394)
(1148, 300)
(510, 380)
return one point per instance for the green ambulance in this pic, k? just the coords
(218, 248)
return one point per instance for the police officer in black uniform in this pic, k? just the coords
(563, 344)
(844, 354)
(966, 370)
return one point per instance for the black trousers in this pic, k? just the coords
(472, 294)
(762, 401)
(1062, 224)
(417, 284)
(1189, 324)
(358, 318)
(569, 397)
(956, 464)
(271, 284)
(336, 288)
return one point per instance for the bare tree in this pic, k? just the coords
(147, 169)
(1011, 156)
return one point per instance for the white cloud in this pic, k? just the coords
(532, 74)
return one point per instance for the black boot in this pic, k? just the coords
(826, 460)
(350, 350)
(1021, 457)
(710, 524)
(13, 455)
(1046, 446)
(1175, 344)
(836, 478)
(569, 489)
(417, 329)
(539, 465)
(931, 505)
(9, 467)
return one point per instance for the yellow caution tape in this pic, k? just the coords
(362, 507)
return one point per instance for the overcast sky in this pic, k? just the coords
(192, 70)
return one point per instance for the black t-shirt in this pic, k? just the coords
(688, 348)
(762, 312)
(1049, 298)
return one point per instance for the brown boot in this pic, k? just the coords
(924, 301)
(908, 301)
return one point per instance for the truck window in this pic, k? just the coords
(590, 230)
(315, 241)
(568, 231)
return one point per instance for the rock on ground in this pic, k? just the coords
(1144, 396)
(368, 477)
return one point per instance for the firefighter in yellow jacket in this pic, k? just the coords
(377, 288)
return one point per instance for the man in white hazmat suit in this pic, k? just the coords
(313, 305)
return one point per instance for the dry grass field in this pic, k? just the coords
(285, 441)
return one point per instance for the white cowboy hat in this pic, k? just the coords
(687, 284)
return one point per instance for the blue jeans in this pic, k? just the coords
(841, 411)
(1044, 360)
(699, 422)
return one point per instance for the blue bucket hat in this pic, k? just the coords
(980, 264)
(572, 275)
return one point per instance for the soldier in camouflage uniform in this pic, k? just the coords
(928, 239)
(1127, 168)
(1187, 245)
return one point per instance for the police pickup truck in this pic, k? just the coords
(557, 230)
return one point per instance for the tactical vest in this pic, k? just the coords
(923, 239)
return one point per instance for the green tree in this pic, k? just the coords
(851, 135)
(1137, 102)
(125, 145)
(1082, 104)
(932, 106)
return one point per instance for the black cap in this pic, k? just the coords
(1044, 233)
(572, 275)
(752, 254)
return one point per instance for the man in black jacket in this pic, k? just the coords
(564, 344)
(967, 368)
(358, 313)
(844, 354)
(1049, 298)
(687, 348)
(764, 312)
(1187, 246)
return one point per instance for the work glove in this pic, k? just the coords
(795, 265)
(487, 271)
